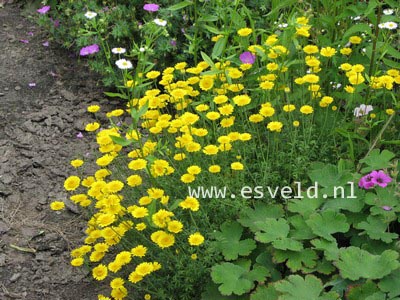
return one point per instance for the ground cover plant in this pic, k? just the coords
(296, 122)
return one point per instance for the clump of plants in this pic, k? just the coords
(266, 170)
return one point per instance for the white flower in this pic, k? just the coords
(388, 11)
(90, 14)
(283, 25)
(390, 25)
(362, 110)
(123, 64)
(142, 49)
(118, 50)
(160, 22)
(381, 25)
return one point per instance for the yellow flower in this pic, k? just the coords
(99, 272)
(355, 39)
(244, 31)
(311, 78)
(92, 126)
(241, 100)
(356, 79)
(57, 205)
(180, 65)
(93, 108)
(213, 115)
(275, 126)
(193, 256)
(310, 49)
(117, 283)
(179, 156)
(328, 51)
(210, 150)
(267, 85)
(104, 220)
(152, 74)
(358, 68)
(140, 226)
(303, 31)
(77, 262)
(346, 51)
(144, 269)
(272, 39)
(296, 123)
(104, 160)
(306, 109)
(187, 178)
(194, 170)
(114, 186)
(72, 183)
(214, 169)
(163, 239)
(190, 203)
(134, 277)
(137, 164)
(226, 109)
(220, 99)
(139, 251)
(175, 226)
(147, 297)
(390, 111)
(349, 89)
(206, 83)
(256, 118)
(134, 180)
(138, 211)
(267, 111)
(237, 166)
(202, 107)
(216, 38)
(196, 239)
(227, 122)
(302, 20)
(289, 108)
(272, 66)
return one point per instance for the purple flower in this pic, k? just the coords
(79, 135)
(173, 43)
(46, 44)
(380, 178)
(43, 10)
(30, 33)
(151, 7)
(247, 58)
(362, 110)
(91, 49)
(387, 208)
(24, 41)
(366, 182)
(32, 84)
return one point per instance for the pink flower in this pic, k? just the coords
(46, 44)
(91, 49)
(247, 58)
(151, 7)
(366, 182)
(43, 10)
(387, 208)
(380, 178)
(79, 135)
(24, 41)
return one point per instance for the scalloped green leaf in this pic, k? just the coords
(376, 229)
(390, 284)
(229, 243)
(362, 291)
(306, 206)
(300, 230)
(355, 263)
(330, 248)
(328, 222)
(249, 216)
(296, 261)
(271, 230)
(236, 279)
(264, 293)
(296, 287)
(377, 160)
(287, 244)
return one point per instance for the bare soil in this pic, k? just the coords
(44, 92)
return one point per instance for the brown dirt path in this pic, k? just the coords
(38, 128)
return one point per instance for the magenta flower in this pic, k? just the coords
(366, 182)
(79, 135)
(380, 178)
(24, 41)
(151, 7)
(91, 49)
(247, 58)
(43, 10)
(387, 208)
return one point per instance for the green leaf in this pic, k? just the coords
(229, 243)
(299, 288)
(219, 47)
(235, 279)
(350, 204)
(362, 291)
(328, 222)
(249, 217)
(116, 95)
(300, 230)
(376, 229)
(330, 248)
(390, 284)
(287, 244)
(264, 293)
(355, 263)
(214, 30)
(271, 230)
(377, 160)
(304, 207)
(120, 140)
(377, 296)
(360, 27)
(180, 5)
(208, 60)
(296, 261)
(211, 292)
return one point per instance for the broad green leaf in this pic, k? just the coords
(208, 60)
(116, 95)
(235, 279)
(377, 296)
(300, 230)
(330, 248)
(377, 160)
(287, 244)
(362, 291)
(390, 284)
(306, 206)
(355, 263)
(180, 5)
(211, 292)
(299, 288)
(360, 27)
(219, 47)
(271, 230)
(214, 30)
(376, 229)
(328, 222)
(120, 140)
(229, 243)
(264, 293)
(249, 217)
(351, 204)
(296, 261)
